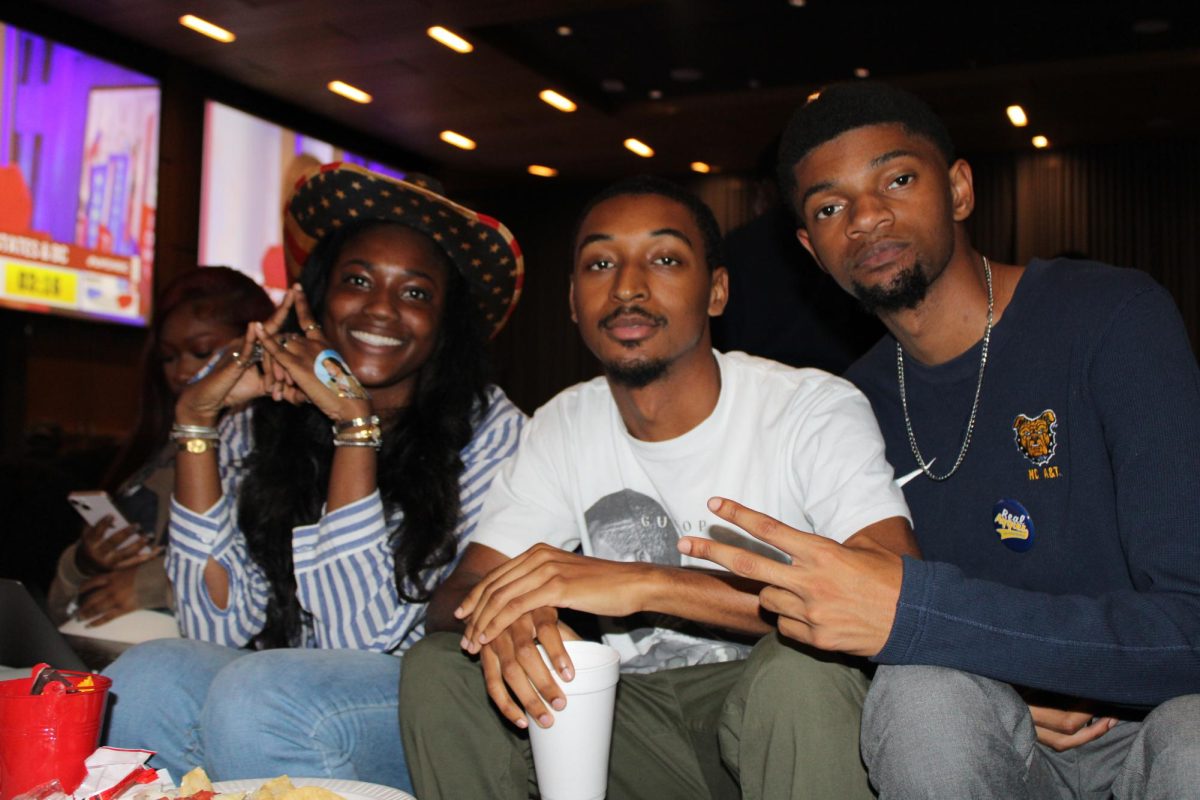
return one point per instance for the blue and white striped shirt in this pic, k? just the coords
(343, 564)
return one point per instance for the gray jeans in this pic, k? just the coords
(932, 732)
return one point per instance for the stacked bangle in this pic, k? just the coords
(358, 432)
(195, 438)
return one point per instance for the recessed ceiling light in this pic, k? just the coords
(457, 139)
(813, 96)
(553, 98)
(542, 171)
(349, 92)
(206, 28)
(701, 167)
(450, 39)
(1040, 142)
(640, 148)
(796, 3)
(1016, 115)
(862, 72)
(654, 94)
(564, 30)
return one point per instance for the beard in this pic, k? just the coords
(636, 374)
(906, 291)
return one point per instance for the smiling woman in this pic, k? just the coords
(320, 548)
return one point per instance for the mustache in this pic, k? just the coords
(632, 311)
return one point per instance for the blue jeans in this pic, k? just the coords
(932, 732)
(245, 714)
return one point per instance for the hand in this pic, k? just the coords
(1062, 729)
(231, 382)
(832, 596)
(120, 549)
(288, 366)
(548, 576)
(512, 663)
(108, 596)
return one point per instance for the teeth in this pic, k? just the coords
(376, 339)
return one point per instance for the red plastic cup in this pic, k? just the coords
(48, 736)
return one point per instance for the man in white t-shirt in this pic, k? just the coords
(622, 467)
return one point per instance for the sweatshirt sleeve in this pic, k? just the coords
(195, 538)
(1139, 646)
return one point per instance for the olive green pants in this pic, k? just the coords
(782, 724)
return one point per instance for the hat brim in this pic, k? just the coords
(332, 196)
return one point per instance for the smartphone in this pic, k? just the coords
(95, 506)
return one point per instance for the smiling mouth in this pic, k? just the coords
(376, 339)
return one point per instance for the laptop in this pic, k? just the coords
(27, 636)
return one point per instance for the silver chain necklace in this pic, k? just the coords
(912, 438)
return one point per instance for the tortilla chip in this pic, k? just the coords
(310, 793)
(195, 781)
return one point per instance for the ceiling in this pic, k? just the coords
(709, 80)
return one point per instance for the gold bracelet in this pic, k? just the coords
(357, 422)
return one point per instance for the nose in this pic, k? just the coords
(629, 283)
(867, 213)
(181, 374)
(380, 304)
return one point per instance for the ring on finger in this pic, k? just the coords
(237, 359)
(312, 326)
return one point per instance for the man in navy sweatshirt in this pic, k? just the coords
(1045, 421)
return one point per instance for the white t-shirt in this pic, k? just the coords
(799, 444)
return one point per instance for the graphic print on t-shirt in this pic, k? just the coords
(630, 526)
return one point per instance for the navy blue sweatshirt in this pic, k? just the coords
(1065, 553)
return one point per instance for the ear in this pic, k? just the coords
(571, 300)
(962, 190)
(718, 292)
(806, 242)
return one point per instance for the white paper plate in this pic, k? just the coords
(351, 790)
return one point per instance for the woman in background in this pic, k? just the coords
(308, 532)
(109, 573)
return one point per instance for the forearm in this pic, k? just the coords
(345, 579)
(439, 616)
(709, 597)
(1128, 647)
(207, 552)
(893, 534)
(65, 586)
(351, 476)
(197, 475)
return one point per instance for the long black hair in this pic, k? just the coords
(418, 468)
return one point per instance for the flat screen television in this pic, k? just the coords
(249, 167)
(78, 181)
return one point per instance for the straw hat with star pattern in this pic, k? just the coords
(485, 252)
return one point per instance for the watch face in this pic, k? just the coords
(197, 445)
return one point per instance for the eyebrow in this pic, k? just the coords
(875, 162)
(608, 237)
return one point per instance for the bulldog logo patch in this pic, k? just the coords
(1036, 437)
